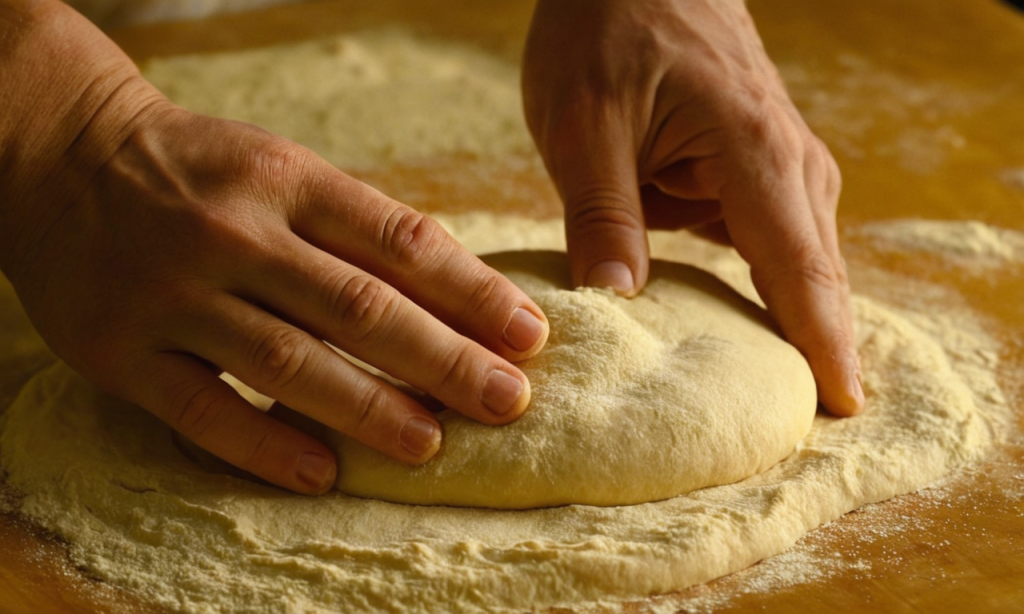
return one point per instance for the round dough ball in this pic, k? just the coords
(634, 400)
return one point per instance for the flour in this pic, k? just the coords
(363, 99)
(832, 102)
(1013, 177)
(975, 242)
(138, 513)
(634, 400)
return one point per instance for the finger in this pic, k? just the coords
(593, 163)
(824, 184)
(191, 399)
(666, 212)
(415, 255)
(287, 364)
(716, 232)
(683, 180)
(370, 320)
(770, 220)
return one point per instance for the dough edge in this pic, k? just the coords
(742, 400)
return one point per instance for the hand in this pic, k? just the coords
(160, 247)
(667, 114)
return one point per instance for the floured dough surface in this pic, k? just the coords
(634, 400)
(137, 512)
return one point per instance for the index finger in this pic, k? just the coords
(415, 255)
(775, 223)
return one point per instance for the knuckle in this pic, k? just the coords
(599, 207)
(193, 409)
(261, 452)
(410, 237)
(279, 356)
(812, 266)
(370, 410)
(841, 273)
(278, 164)
(363, 307)
(805, 266)
(765, 132)
(484, 295)
(755, 93)
(751, 117)
(821, 160)
(275, 160)
(457, 369)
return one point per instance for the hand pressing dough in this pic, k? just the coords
(138, 513)
(634, 400)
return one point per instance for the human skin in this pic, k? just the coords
(669, 114)
(153, 248)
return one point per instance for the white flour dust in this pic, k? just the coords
(362, 99)
(138, 513)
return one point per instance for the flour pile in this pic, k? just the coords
(138, 513)
(634, 400)
(360, 99)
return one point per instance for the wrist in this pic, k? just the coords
(75, 98)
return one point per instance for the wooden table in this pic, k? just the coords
(921, 103)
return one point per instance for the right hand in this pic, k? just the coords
(670, 114)
(160, 248)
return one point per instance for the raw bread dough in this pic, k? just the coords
(137, 512)
(634, 400)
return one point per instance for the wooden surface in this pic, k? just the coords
(921, 103)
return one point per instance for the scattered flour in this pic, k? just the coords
(138, 513)
(969, 241)
(832, 102)
(363, 99)
(1013, 177)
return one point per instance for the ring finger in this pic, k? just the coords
(287, 364)
(372, 321)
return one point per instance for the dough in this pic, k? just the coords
(139, 513)
(136, 512)
(634, 400)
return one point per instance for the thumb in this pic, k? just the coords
(605, 231)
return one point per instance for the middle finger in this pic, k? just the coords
(372, 321)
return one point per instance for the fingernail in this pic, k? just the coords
(611, 274)
(854, 388)
(501, 392)
(316, 471)
(419, 436)
(524, 330)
